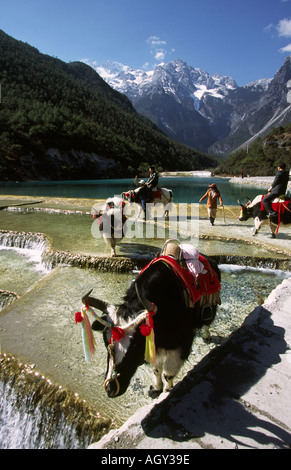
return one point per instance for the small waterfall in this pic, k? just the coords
(26, 240)
(255, 262)
(36, 414)
(47, 210)
(6, 298)
(50, 258)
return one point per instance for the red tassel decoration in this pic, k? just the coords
(117, 333)
(78, 317)
(145, 329)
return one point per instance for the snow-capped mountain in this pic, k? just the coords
(135, 83)
(195, 108)
(123, 78)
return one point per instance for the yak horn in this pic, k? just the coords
(148, 305)
(240, 203)
(97, 303)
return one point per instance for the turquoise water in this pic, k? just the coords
(185, 189)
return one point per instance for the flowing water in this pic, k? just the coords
(30, 420)
(43, 318)
(49, 396)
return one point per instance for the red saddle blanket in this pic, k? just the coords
(276, 205)
(157, 193)
(206, 284)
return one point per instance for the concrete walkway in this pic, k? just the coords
(237, 397)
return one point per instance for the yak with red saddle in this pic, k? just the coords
(162, 196)
(256, 210)
(175, 294)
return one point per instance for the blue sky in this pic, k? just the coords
(246, 39)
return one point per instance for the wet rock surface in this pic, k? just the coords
(59, 418)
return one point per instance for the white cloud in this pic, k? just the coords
(284, 28)
(155, 41)
(157, 48)
(286, 48)
(160, 55)
(268, 28)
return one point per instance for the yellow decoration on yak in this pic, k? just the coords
(150, 349)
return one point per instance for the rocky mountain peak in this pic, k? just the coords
(186, 102)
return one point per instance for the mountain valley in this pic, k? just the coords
(210, 113)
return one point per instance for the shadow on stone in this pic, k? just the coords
(210, 403)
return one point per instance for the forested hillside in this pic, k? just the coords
(262, 156)
(48, 104)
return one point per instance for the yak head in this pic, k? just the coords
(122, 338)
(130, 195)
(245, 210)
(135, 195)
